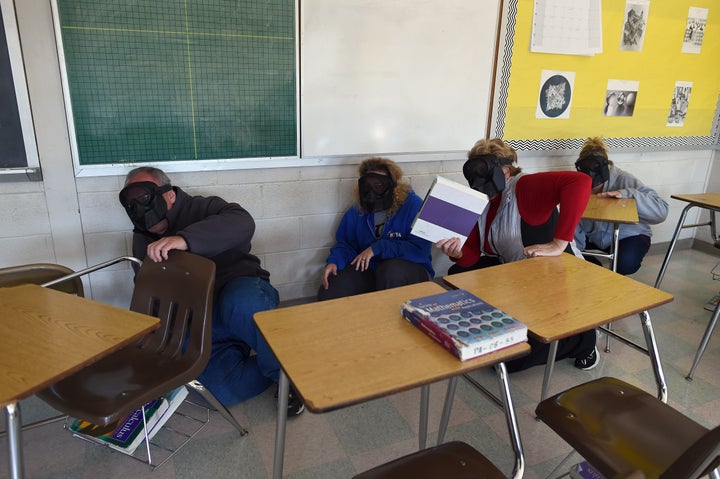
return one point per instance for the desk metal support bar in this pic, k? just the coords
(623, 339)
(447, 407)
(552, 354)
(678, 228)
(654, 356)
(283, 391)
(91, 269)
(424, 407)
(705, 340)
(13, 419)
(512, 424)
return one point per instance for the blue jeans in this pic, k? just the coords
(232, 374)
(631, 251)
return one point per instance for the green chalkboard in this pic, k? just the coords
(178, 80)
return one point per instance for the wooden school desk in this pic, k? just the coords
(560, 296)
(47, 335)
(708, 201)
(346, 351)
(611, 210)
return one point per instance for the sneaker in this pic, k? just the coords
(296, 405)
(589, 361)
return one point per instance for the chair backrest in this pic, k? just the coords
(179, 292)
(699, 459)
(39, 273)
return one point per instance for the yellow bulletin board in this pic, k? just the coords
(657, 67)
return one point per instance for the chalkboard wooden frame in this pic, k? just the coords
(17, 155)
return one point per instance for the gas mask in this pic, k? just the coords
(484, 173)
(144, 203)
(376, 192)
(596, 167)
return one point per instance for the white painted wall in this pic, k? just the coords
(78, 221)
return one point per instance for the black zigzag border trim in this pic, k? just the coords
(657, 142)
(506, 65)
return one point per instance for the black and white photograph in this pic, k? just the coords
(555, 94)
(620, 98)
(679, 103)
(694, 30)
(634, 25)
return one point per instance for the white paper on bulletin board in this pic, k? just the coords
(395, 76)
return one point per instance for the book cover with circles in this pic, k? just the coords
(450, 210)
(464, 324)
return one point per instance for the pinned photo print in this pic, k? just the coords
(694, 30)
(634, 25)
(620, 98)
(679, 103)
(555, 94)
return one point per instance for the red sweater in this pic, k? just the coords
(537, 194)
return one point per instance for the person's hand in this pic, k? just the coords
(362, 261)
(157, 251)
(610, 194)
(554, 248)
(330, 269)
(451, 247)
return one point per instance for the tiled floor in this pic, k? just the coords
(341, 443)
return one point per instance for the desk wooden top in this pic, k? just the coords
(560, 296)
(46, 335)
(354, 349)
(612, 210)
(709, 200)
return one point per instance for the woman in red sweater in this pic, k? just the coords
(521, 221)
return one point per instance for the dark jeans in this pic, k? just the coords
(390, 273)
(631, 251)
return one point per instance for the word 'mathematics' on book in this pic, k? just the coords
(127, 434)
(464, 324)
(449, 210)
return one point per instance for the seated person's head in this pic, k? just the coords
(379, 186)
(489, 164)
(593, 161)
(147, 197)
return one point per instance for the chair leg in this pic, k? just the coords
(210, 398)
(704, 342)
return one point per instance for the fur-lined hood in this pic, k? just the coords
(402, 188)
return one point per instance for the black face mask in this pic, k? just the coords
(144, 203)
(376, 192)
(484, 173)
(596, 167)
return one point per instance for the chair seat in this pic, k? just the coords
(456, 460)
(118, 384)
(618, 427)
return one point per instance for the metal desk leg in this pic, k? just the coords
(511, 419)
(445, 418)
(283, 391)
(549, 369)
(13, 419)
(704, 342)
(654, 356)
(678, 228)
(424, 407)
(613, 263)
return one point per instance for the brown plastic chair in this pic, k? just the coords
(618, 428)
(455, 459)
(179, 291)
(39, 273)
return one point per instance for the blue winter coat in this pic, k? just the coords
(357, 231)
